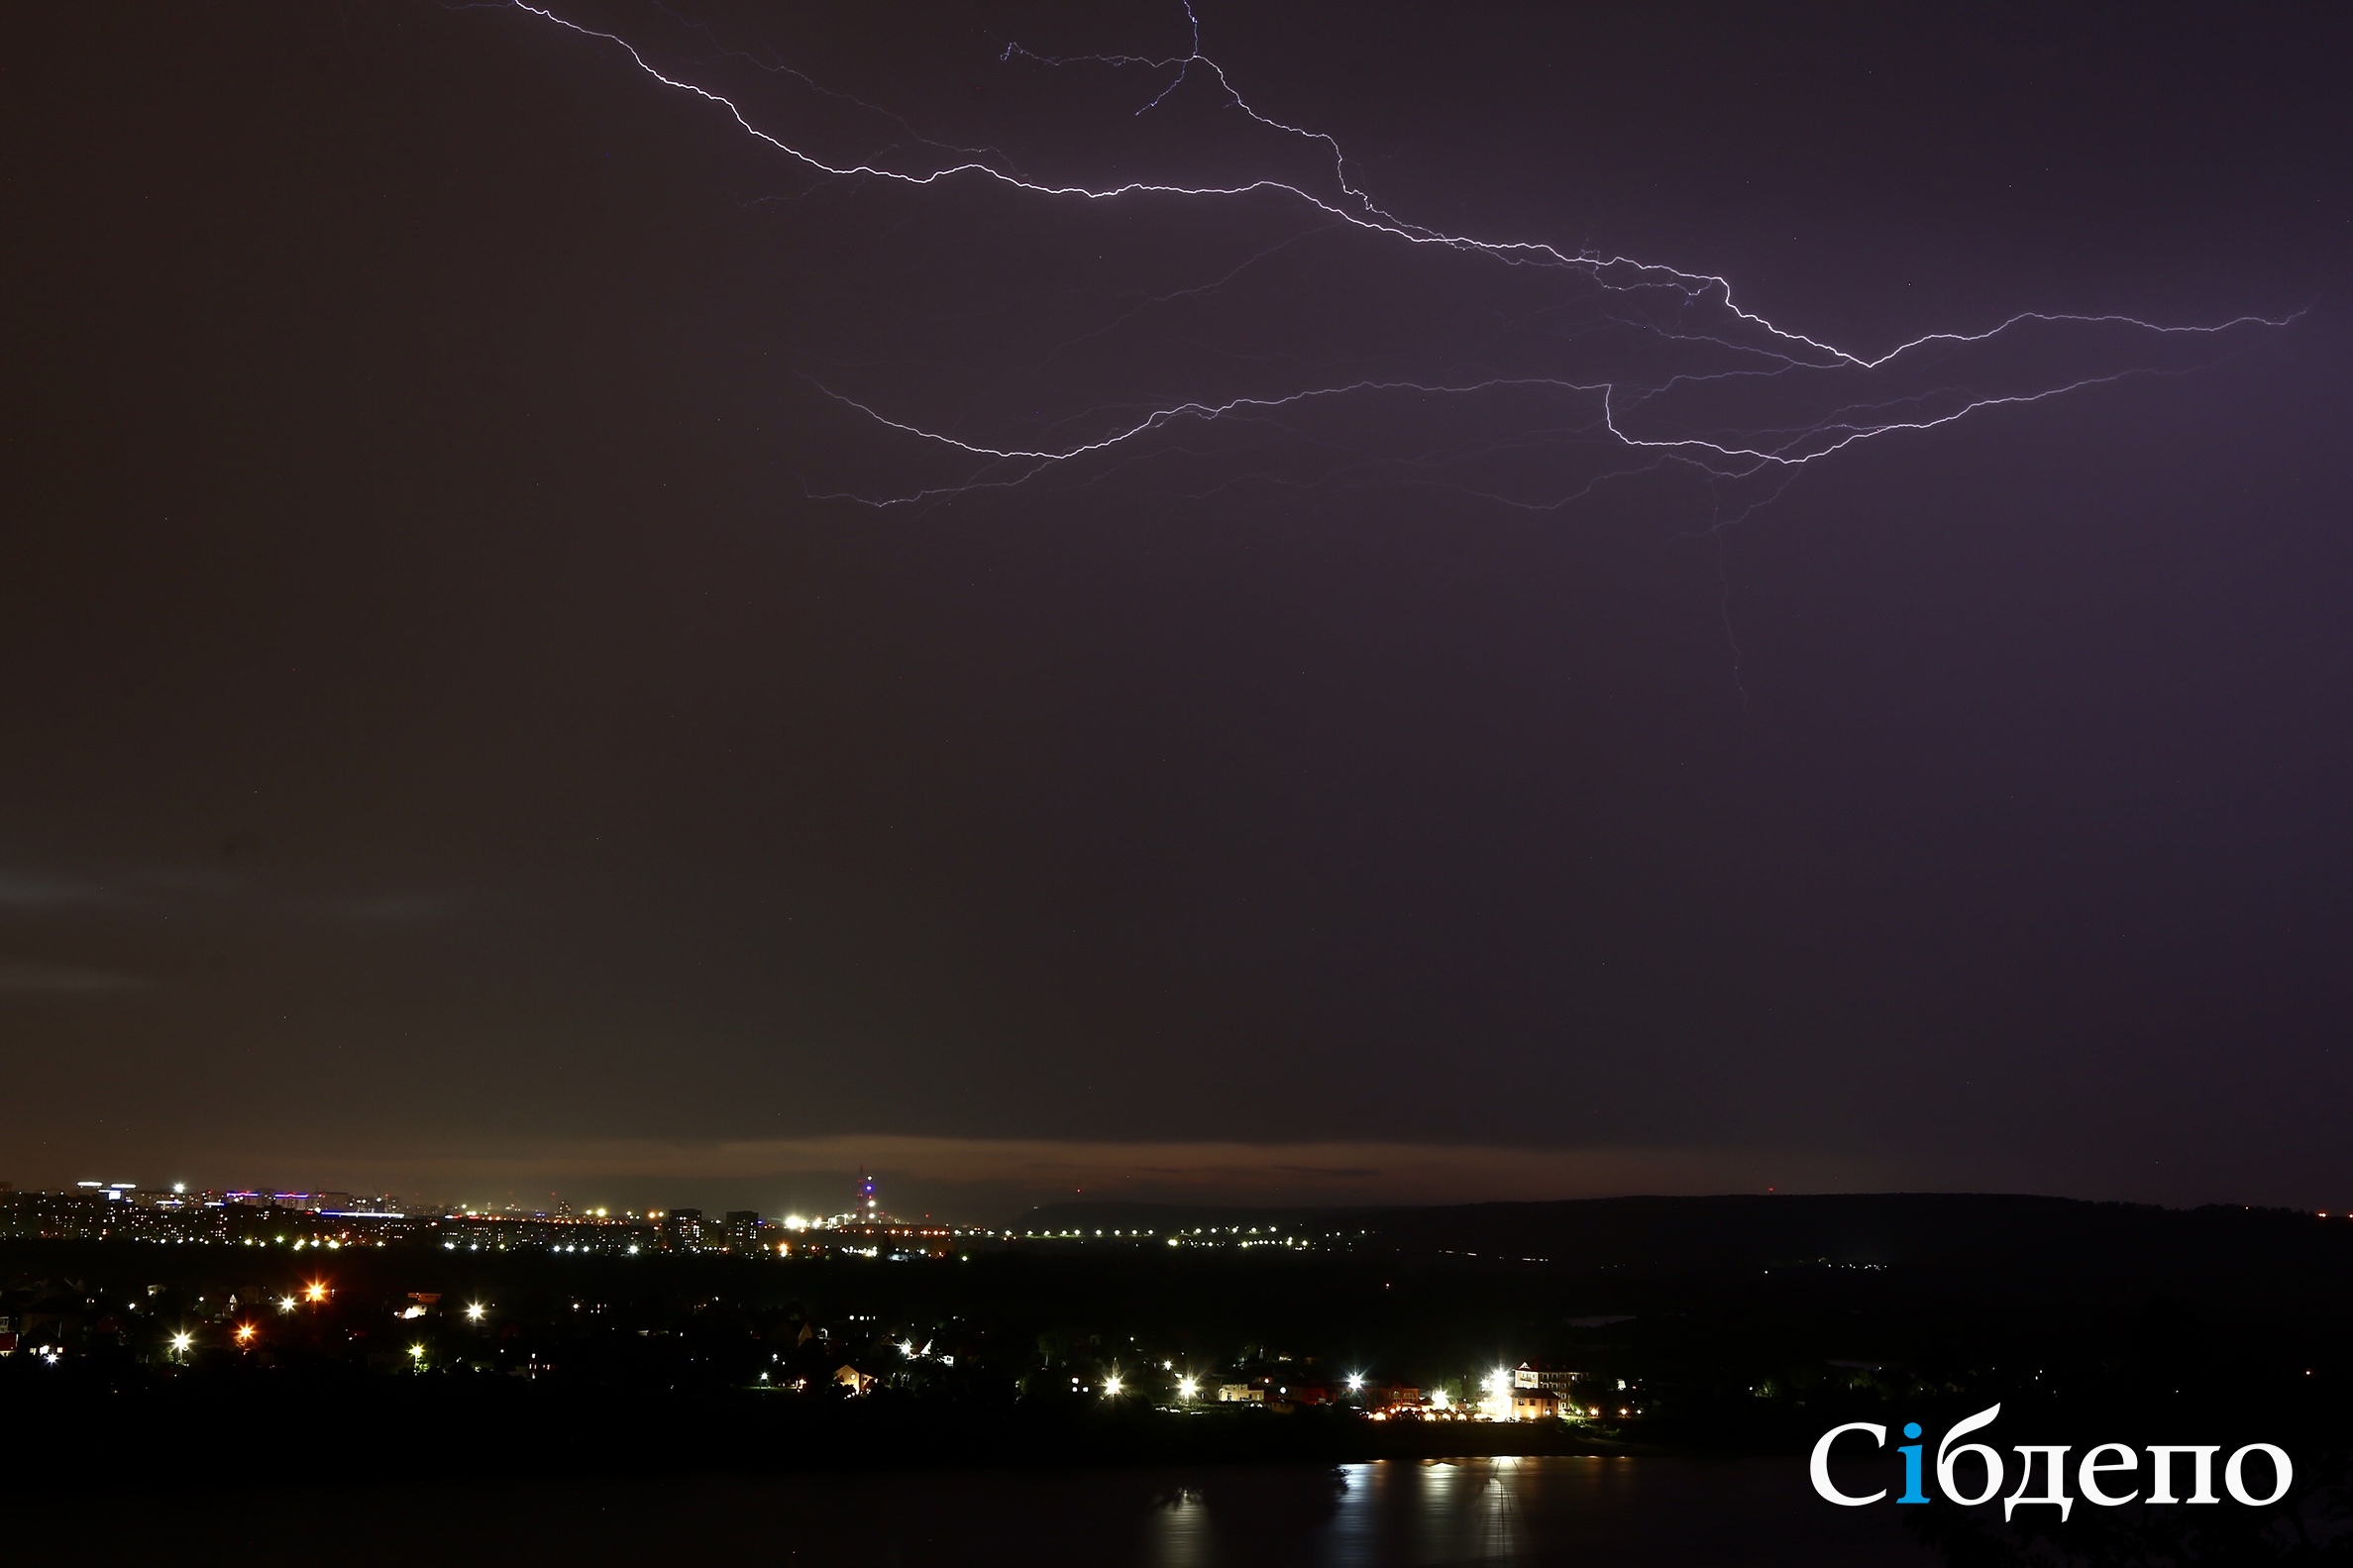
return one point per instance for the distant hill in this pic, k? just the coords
(1936, 1233)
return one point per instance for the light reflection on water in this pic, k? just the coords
(1587, 1510)
(1179, 1533)
(1592, 1512)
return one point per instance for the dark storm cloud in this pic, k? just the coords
(386, 908)
(159, 892)
(37, 977)
(120, 890)
(24, 890)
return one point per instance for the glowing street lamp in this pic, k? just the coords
(1187, 1388)
(1111, 1386)
(1356, 1383)
(245, 1333)
(287, 1304)
(315, 1291)
(416, 1353)
(180, 1342)
(474, 1311)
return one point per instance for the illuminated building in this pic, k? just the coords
(1545, 1377)
(1389, 1396)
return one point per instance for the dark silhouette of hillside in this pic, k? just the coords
(2047, 1242)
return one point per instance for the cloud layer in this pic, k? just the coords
(21, 976)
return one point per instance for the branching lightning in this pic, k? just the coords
(1641, 365)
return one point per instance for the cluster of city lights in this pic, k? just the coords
(314, 1293)
(221, 1218)
(1497, 1383)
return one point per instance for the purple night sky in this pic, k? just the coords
(1402, 602)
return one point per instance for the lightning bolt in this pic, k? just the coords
(1668, 370)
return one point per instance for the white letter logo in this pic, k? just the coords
(2087, 1478)
(1945, 1454)
(2234, 1478)
(1820, 1468)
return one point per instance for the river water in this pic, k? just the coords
(1394, 1514)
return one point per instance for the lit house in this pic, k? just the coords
(1545, 1376)
(1533, 1404)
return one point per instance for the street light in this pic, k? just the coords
(180, 1342)
(1111, 1387)
(1187, 1388)
(474, 1311)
